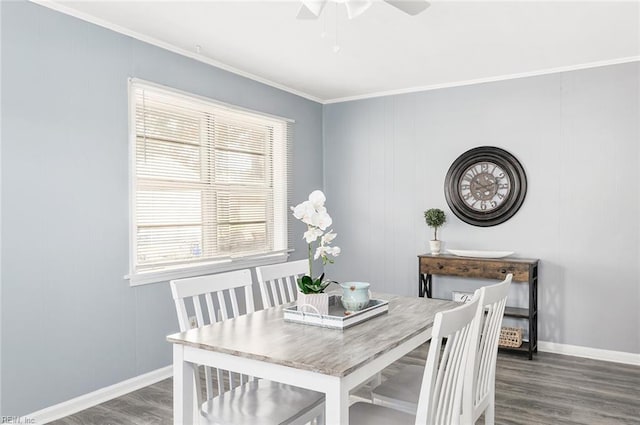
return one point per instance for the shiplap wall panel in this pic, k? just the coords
(576, 134)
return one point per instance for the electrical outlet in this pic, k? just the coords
(461, 297)
(193, 322)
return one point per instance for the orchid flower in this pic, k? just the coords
(328, 237)
(313, 213)
(324, 252)
(317, 198)
(312, 234)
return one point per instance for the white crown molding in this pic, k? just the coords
(167, 46)
(590, 353)
(102, 395)
(178, 50)
(487, 80)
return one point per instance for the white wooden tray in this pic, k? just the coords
(479, 254)
(338, 317)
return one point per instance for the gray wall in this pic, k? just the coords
(70, 323)
(577, 136)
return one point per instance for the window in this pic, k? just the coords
(209, 185)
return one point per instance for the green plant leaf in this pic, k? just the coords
(308, 285)
(435, 217)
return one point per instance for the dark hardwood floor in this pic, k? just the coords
(551, 390)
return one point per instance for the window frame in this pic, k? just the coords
(168, 272)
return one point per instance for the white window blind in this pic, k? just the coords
(209, 181)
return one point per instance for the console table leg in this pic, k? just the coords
(424, 285)
(533, 312)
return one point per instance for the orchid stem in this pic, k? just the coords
(310, 262)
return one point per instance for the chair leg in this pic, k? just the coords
(318, 420)
(198, 390)
(490, 412)
(377, 380)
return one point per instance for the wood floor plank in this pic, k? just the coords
(552, 389)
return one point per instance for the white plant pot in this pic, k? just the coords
(435, 247)
(313, 303)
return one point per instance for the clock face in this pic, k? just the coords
(485, 186)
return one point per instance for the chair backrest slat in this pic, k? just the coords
(291, 285)
(234, 303)
(183, 317)
(198, 310)
(213, 298)
(222, 305)
(208, 374)
(210, 308)
(248, 299)
(278, 282)
(232, 383)
(220, 378)
(279, 296)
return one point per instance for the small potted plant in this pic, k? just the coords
(313, 213)
(435, 218)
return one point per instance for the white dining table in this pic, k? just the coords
(330, 361)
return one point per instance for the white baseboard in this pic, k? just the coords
(590, 353)
(94, 398)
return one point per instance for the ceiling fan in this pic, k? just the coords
(311, 9)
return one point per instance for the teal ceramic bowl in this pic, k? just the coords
(355, 295)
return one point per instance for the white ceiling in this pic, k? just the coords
(384, 50)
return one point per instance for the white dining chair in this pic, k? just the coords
(440, 393)
(401, 390)
(480, 384)
(243, 400)
(278, 282)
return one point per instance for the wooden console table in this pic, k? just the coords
(524, 270)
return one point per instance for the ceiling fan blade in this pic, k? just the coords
(356, 7)
(411, 7)
(311, 9)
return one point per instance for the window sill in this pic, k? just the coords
(164, 275)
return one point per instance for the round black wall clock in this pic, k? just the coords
(485, 186)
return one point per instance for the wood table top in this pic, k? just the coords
(508, 259)
(265, 336)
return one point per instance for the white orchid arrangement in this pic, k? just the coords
(313, 213)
